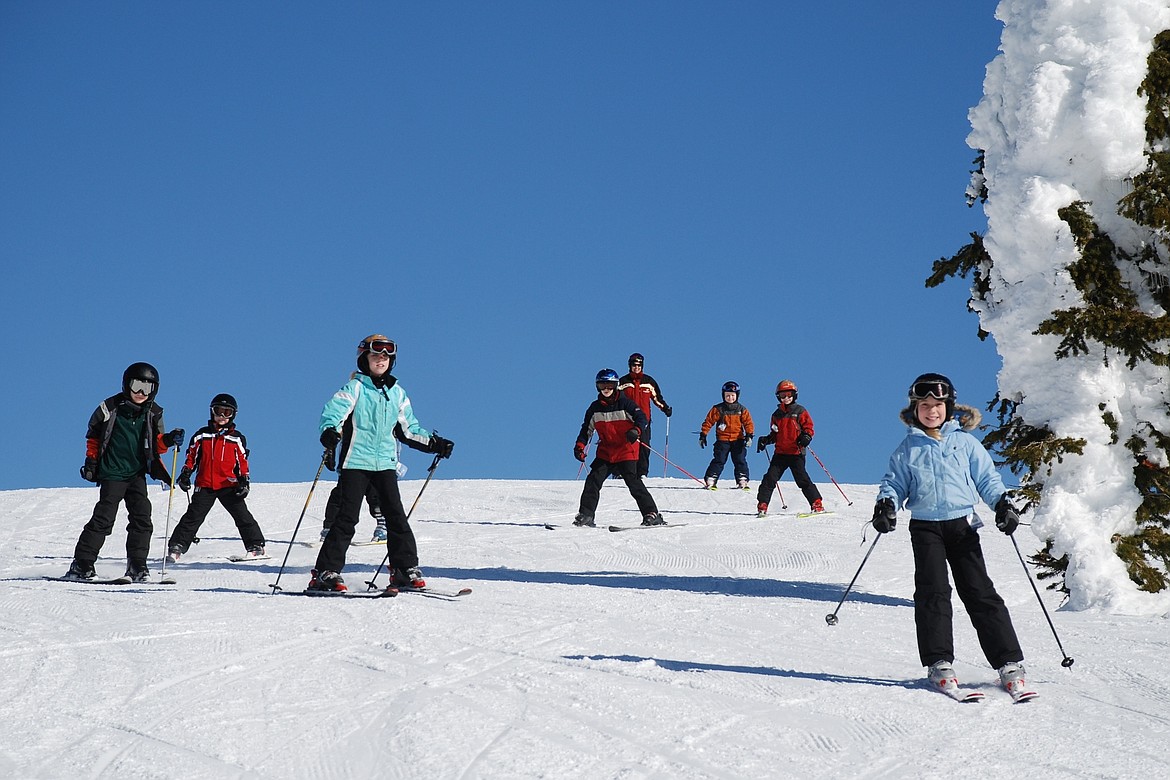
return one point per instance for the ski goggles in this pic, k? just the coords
(939, 390)
(380, 347)
(223, 411)
(141, 386)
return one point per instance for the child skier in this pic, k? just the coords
(368, 415)
(122, 447)
(218, 456)
(792, 431)
(939, 472)
(618, 423)
(733, 433)
(641, 388)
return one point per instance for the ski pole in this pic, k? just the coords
(170, 500)
(783, 503)
(832, 619)
(666, 448)
(386, 559)
(1066, 662)
(847, 501)
(276, 585)
(680, 468)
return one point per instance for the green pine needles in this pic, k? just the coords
(1127, 323)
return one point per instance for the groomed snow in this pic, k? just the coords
(693, 652)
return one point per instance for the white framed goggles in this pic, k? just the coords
(380, 347)
(141, 386)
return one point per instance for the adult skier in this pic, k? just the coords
(641, 388)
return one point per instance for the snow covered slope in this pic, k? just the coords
(693, 652)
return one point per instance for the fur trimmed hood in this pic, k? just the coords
(968, 417)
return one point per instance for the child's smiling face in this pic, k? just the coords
(932, 413)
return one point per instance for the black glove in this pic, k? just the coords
(173, 439)
(747, 441)
(803, 440)
(440, 446)
(885, 517)
(242, 487)
(579, 451)
(89, 470)
(667, 410)
(764, 441)
(1006, 516)
(632, 435)
(703, 440)
(329, 438)
(184, 481)
(329, 458)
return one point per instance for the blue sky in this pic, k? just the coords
(519, 193)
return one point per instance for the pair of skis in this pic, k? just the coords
(964, 696)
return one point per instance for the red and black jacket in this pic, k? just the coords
(219, 456)
(643, 391)
(788, 422)
(611, 419)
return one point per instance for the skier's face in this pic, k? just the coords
(635, 368)
(379, 364)
(729, 397)
(606, 389)
(932, 413)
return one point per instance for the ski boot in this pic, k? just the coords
(137, 571)
(379, 533)
(583, 520)
(174, 554)
(408, 578)
(761, 509)
(654, 518)
(817, 506)
(326, 580)
(80, 571)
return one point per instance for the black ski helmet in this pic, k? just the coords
(933, 386)
(731, 387)
(223, 399)
(606, 376)
(376, 342)
(636, 359)
(143, 372)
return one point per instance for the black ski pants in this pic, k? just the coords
(954, 542)
(105, 512)
(400, 543)
(644, 451)
(627, 470)
(333, 505)
(719, 452)
(781, 463)
(201, 503)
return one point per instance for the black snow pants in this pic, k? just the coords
(937, 544)
(105, 512)
(627, 470)
(400, 543)
(201, 503)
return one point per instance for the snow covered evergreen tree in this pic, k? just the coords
(1071, 281)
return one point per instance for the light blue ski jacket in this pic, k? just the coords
(371, 421)
(941, 479)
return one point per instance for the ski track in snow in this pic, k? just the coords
(698, 651)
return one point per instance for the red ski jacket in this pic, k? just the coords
(787, 424)
(218, 456)
(611, 419)
(642, 390)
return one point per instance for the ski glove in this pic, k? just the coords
(329, 438)
(764, 441)
(173, 439)
(1006, 516)
(667, 410)
(242, 488)
(885, 517)
(440, 446)
(747, 441)
(703, 440)
(579, 451)
(803, 440)
(184, 481)
(89, 470)
(329, 458)
(632, 435)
